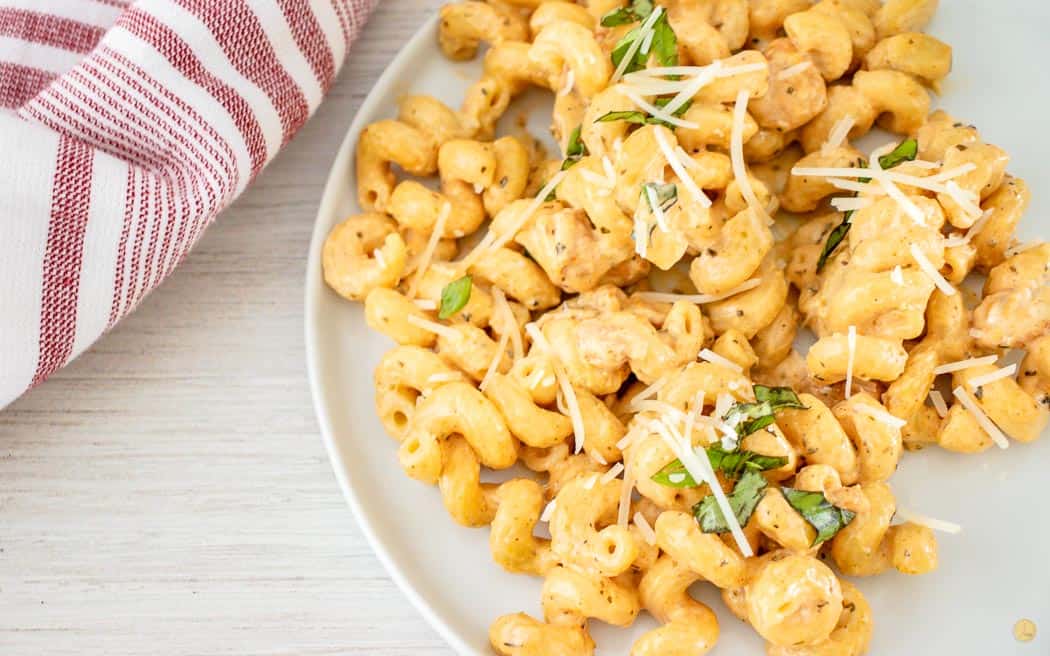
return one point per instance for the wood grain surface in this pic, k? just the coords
(168, 493)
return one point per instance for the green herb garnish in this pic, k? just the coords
(666, 195)
(664, 44)
(732, 463)
(746, 418)
(454, 297)
(638, 10)
(575, 150)
(818, 512)
(641, 118)
(743, 499)
(834, 239)
(906, 151)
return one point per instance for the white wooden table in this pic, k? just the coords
(168, 493)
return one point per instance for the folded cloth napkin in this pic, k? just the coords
(125, 127)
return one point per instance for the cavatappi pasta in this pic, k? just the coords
(674, 433)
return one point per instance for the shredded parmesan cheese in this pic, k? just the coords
(548, 511)
(570, 79)
(924, 165)
(640, 233)
(897, 275)
(870, 188)
(950, 174)
(595, 179)
(428, 252)
(648, 534)
(736, 154)
(662, 408)
(625, 441)
(700, 469)
(938, 403)
(510, 322)
(978, 226)
(426, 304)
(648, 392)
(492, 242)
(643, 30)
(627, 488)
(880, 415)
(654, 207)
(959, 365)
(851, 346)
(663, 71)
(590, 482)
(714, 358)
(610, 170)
(792, 71)
(931, 273)
(875, 169)
(501, 351)
(613, 472)
(839, 132)
(851, 204)
(657, 112)
(998, 374)
(380, 260)
(929, 522)
(438, 329)
(880, 175)
(444, 377)
(964, 200)
(679, 170)
(982, 419)
(699, 299)
(572, 405)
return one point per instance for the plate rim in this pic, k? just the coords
(313, 288)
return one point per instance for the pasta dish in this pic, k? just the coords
(621, 319)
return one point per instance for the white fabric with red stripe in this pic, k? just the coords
(124, 129)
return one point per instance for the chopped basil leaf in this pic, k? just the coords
(906, 151)
(663, 100)
(630, 116)
(732, 463)
(663, 46)
(638, 11)
(620, 16)
(620, 51)
(574, 150)
(736, 462)
(665, 43)
(666, 195)
(742, 500)
(454, 296)
(641, 118)
(674, 474)
(834, 239)
(746, 418)
(818, 512)
(780, 397)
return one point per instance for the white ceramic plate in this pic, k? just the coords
(994, 573)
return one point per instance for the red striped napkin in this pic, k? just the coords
(125, 127)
